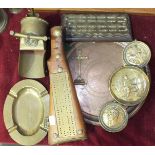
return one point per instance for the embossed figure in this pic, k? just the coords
(130, 86)
(112, 116)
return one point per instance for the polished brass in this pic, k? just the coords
(26, 112)
(32, 47)
(3, 20)
(129, 85)
(113, 117)
(137, 53)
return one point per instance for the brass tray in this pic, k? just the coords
(102, 59)
(26, 112)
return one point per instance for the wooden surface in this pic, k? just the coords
(144, 11)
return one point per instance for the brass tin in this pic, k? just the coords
(3, 20)
(129, 85)
(137, 53)
(97, 63)
(26, 112)
(33, 26)
(113, 117)
(32, 46)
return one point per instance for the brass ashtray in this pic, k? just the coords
(26, 112)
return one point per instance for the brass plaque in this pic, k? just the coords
(63, 105)
(129, 85)
(137, 53)
(26, 112)
(113, 117)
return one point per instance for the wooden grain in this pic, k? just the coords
(144, 11)
(53, 64)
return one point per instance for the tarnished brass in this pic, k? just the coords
(97, 27)
(32, 46)
(104, 58)
(3, 20)
(137, 53)
(129, 85)
(113, 117)
(26, 112)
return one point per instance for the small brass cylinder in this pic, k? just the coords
(33, 47)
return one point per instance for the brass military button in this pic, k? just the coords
(113, 117)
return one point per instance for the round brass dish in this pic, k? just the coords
(113, 117)
(129, 85)
(3, 20)
(137, 53)
(26, 112)
(100, 61)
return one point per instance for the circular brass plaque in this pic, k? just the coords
(113, 117)
(137, 53)
(99, 61)
(129, 85)
(3, 20)
(26, 112)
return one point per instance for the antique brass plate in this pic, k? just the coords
(137, 53)
(113, 117)
(129, 85)
(100, 61)
(3, 20)
(26, 112)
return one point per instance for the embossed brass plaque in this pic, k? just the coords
(113, 117)
(26, 112)
(129, 85)
(137, 53)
